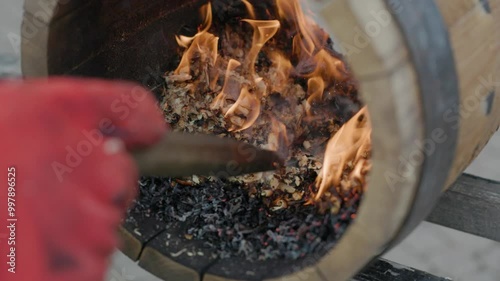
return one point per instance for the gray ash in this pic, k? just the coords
(232, 223)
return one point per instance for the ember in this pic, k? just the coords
(269, 77)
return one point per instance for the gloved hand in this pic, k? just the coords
(64, 143)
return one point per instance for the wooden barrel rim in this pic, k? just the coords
(428, 40)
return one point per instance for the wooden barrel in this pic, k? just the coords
(429, 71)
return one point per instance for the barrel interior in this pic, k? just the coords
(128, 40)
(135, 40)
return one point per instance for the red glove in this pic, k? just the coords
(63, 152)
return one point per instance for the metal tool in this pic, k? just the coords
(179, 154)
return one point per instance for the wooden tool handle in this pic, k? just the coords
(178, 155)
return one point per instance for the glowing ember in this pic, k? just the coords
(286, 101)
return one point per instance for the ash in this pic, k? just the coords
(234, 224)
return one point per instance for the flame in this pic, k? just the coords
(250, 9)
(244, 112)
(263, 31)
(360, 170)
(315, 89)
(243, 91)
(206, 14)
(282, 67)
(202, 43)
(307, 39)
(317, 64)
(231, 87)
(328, 67)
(348, 144)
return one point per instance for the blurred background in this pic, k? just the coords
(438, 250)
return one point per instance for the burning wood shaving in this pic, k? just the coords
(279, 85)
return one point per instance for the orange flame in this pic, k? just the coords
(315, 89)
(282, 67)
(360, 170)
(244, 112)
(205, 45)
(242, 85)
(206, 14)
(314, 61)
(250, 9)
(348, 144)
(202, 43)
(263, 31)
(306, 40)
(328, 67)
(231, 87)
